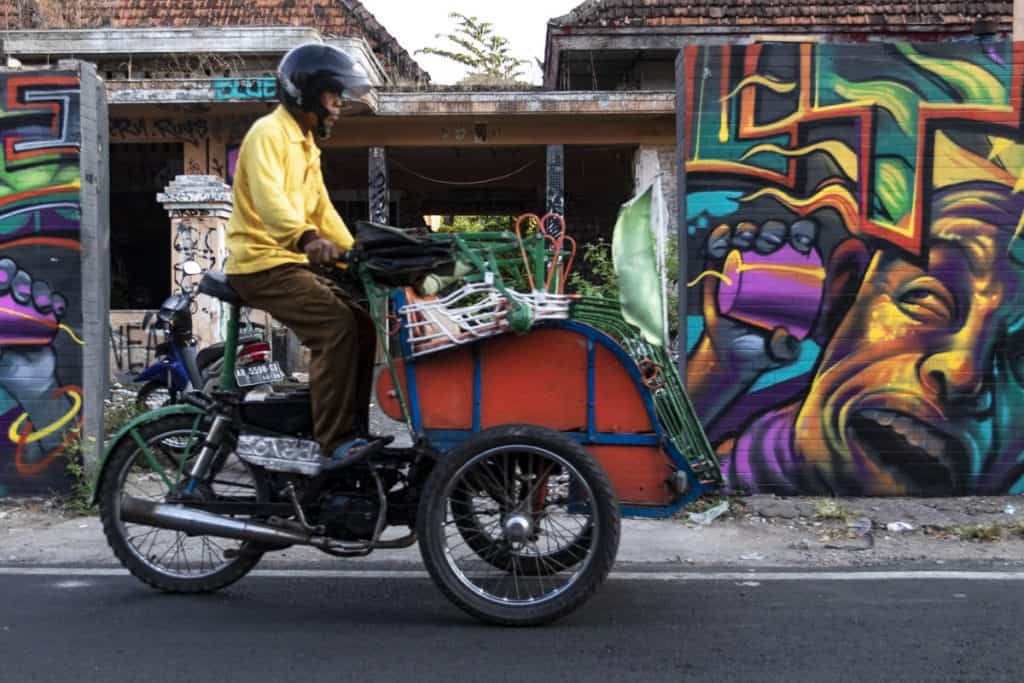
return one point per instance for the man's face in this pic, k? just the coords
(902, 399)
(333, 104)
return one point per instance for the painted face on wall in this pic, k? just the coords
(902, 401)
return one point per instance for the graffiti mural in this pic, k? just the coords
(856, 303)
(40, 278)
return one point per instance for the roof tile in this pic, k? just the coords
(331, 18)
(947, 16)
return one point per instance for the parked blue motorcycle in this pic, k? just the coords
(179, 367)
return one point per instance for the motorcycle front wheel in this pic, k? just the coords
(518, 525)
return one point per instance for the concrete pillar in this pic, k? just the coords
(1018, 19)
(379, 195)
(199, 207)
(658, 162)
(555, 194)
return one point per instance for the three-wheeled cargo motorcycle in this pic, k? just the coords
(536, 418)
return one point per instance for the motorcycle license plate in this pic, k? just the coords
(258, 373)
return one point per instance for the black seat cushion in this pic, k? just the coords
(215, 284)
(399, 258)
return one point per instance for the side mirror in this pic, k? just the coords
(192, 268)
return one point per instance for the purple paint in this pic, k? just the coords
(781, 289)
(22, 324)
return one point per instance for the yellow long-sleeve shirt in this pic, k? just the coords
(278, 194)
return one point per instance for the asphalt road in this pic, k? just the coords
(80, 627)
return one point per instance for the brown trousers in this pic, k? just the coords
(341, 338)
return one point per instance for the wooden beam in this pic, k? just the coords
(422, 131)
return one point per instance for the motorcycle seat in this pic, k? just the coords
(215, 284)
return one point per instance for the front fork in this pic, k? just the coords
(215, 437)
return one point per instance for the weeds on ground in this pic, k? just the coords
(983, 533)
(706, 502)
(119, 409)
(829, 508)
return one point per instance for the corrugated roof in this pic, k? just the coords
(952, 16)
(332, 18)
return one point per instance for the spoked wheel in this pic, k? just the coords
(163, 558)
(557, 541)
(518, 525)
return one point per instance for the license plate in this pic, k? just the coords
(258, 373)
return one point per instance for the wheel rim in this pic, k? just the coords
(169, 552)
(533, 505)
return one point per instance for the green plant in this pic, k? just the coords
(829, 508)
(473, 224)
(984, 533)
(76, 502)
(118, 410)
(595, 275)
(479, 48)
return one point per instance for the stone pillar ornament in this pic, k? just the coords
(199, 207)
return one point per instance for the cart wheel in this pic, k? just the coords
(518, 525)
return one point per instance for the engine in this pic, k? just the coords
(349, 518)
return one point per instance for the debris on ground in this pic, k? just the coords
(859, 526)
(711, 514)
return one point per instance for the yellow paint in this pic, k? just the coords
(961, 166)
(840, 152)
(12, 431)
(973, 82)
(723, 129)
(710, 273)
(780, 87)
(833, 196)
(72, 334)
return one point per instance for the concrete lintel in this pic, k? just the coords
(158, 42)
(140, 41)
(574, 103)
(190, 91)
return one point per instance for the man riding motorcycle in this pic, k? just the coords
(284, 227)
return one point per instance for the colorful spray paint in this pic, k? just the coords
(40, 278)
(857, 292)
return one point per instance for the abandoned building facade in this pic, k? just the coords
(184, 81)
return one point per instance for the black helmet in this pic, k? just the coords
(310, 69)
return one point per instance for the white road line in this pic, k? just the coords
(619, 576)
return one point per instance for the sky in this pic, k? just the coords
(522, 22)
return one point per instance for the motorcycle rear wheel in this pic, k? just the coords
(165, 559)
(515, 577)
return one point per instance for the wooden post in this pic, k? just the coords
(681, 233)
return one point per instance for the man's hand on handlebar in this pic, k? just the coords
(320, 251)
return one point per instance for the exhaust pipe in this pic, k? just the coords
(199, 522)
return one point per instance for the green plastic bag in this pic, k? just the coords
(634, 256)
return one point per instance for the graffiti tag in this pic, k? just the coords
(244, 89)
